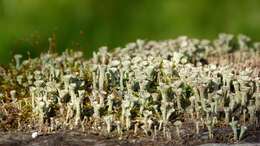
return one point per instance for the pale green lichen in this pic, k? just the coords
(145, 86)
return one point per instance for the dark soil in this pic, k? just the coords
(77, 138)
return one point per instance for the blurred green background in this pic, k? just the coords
(26, 25)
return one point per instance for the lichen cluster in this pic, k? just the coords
(142, 88)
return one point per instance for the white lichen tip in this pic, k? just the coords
(34, 135)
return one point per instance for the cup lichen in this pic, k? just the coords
(141, 88)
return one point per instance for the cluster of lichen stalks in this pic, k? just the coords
(144, 88)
